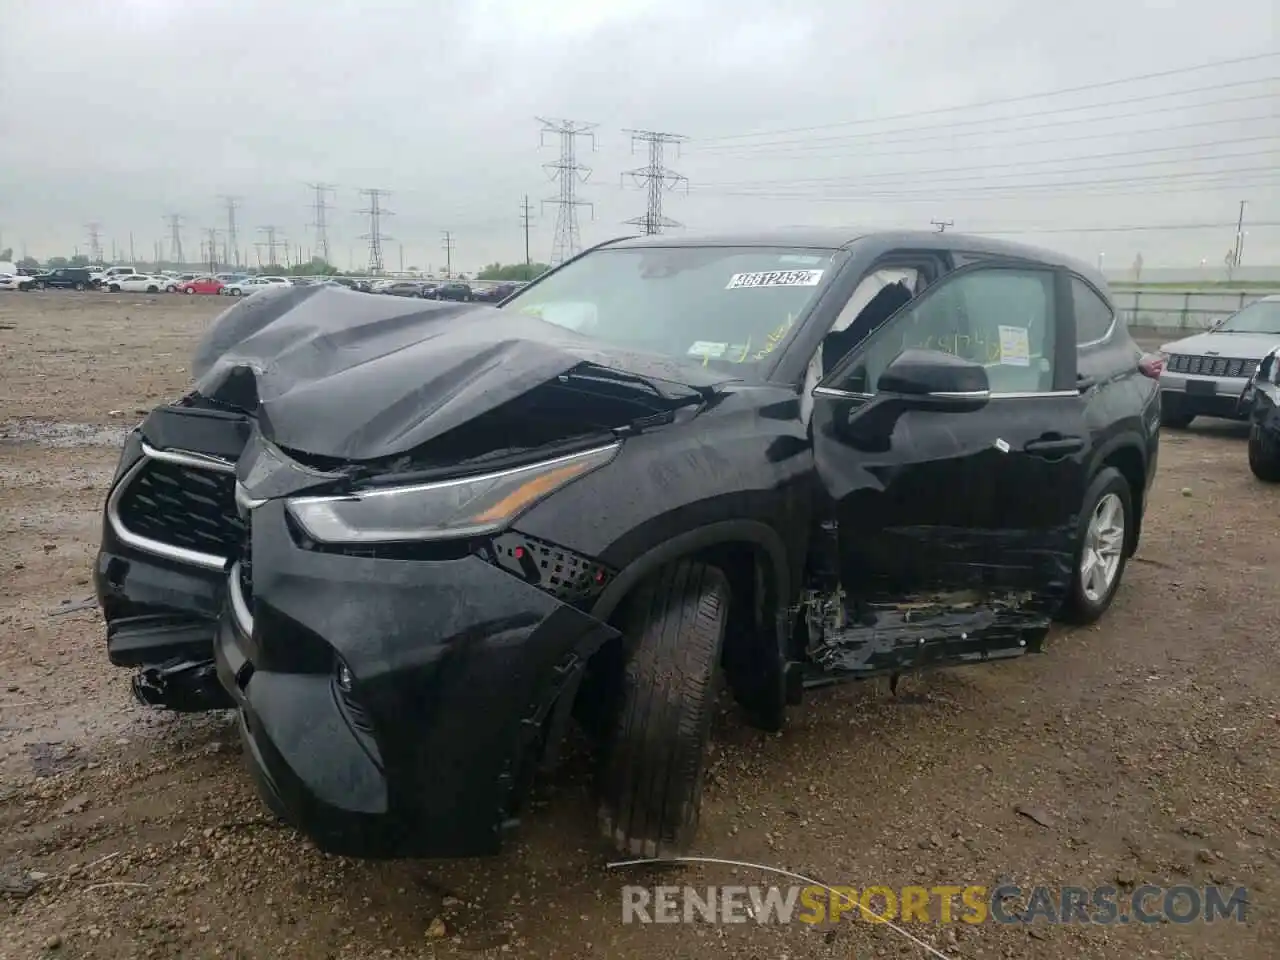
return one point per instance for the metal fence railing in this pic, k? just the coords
(1189, 310)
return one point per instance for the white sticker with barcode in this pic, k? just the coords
(775, 278)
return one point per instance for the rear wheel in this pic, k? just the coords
(42, 286)
(653, 763)
(1264, 454)
(153, 289)
(1101, 553)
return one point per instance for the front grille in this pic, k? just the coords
(1212, 366)
(245, 556)
(183, 506)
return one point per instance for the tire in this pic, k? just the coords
(114, 288)
(1176, 420)
(654, 760)
(1085, 603)
(79, 286)
(237, 293)
(42, 286)
(189, 291)
(153, 289)
(1264, 455)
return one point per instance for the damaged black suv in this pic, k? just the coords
(411, 542)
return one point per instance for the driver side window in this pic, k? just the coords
(1001, 317)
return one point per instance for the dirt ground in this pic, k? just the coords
(1143, 750)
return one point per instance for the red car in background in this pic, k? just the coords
(202, 285)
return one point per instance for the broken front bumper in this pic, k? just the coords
(394, 707)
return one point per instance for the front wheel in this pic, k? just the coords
(237, 293)
(114, 288)
(189, 291)
(652, 765)
(1101, 552)
(1264, 454)
(153, 289)
(79, 286)
(42, 286)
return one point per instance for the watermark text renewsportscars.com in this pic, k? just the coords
(969, 904)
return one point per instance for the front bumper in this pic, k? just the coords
(1202, 396)
(458, 666)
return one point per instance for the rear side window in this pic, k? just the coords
(1093, 316)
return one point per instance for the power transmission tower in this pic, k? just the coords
(95, 241)
(375, 236)
(448, 245)
(657, 177)
(211, 243)
(569, 173)
(273, 241)
(231, 246)
(175, 238)
(320, 224)
(525, 221)
(943, 224)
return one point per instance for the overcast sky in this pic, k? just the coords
(817, 113)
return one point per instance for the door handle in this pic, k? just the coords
(1053, 447)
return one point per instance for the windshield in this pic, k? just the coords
(727, 307)
(1260, 317)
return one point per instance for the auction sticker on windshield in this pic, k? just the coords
(775, 278)
(1015, 346)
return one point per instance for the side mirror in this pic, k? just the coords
(933, 380)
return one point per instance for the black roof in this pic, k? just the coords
(847, 239)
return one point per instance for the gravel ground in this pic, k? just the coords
(1143, 750)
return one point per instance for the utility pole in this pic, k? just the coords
(175, 238)
(447, 244)
(943, 224)
(95, 243)
(1239, 250)
(657, 178)
(375, 236)
(569, 173)
(524, 221)
(319, 222)
(231, 247)
(131, 257)
(115, 254)
(159, 253)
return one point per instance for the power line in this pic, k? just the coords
(569, 173)
(175, 238)
(95, 241)
(231, 246)
(1141, 228)
(1023, 98)
(980, 170)
(375, 236)
(656, 177)
(320, 223)
(860, 141)
(524, 222)
(447, 244)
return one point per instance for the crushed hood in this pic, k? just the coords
(336, 373)
(1233, 346)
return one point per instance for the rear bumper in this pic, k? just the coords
(461, 671)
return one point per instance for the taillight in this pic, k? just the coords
(1151, 365)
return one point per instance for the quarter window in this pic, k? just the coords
(1093, 316)
(1000, 317)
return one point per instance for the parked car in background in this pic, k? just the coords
(66, 278)
(497, 293)
(409, 546)
(453, 290)
(105, 275)
(135, 283)
(1260, 405)
(243, 288)
(15, 281)
(406, 288)
(1204, 375)
(179, 281)
(202, 285)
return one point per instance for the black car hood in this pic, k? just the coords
(336, 373)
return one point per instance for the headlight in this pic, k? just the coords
(468, 507)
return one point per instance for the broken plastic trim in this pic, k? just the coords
(449, 509)
(199, 461)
